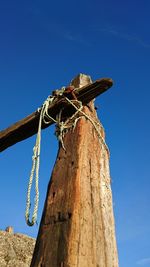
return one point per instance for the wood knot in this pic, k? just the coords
(59, 217)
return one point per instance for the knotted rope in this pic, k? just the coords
(61, 128)
(95, 124)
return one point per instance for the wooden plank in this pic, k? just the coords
(29, 125)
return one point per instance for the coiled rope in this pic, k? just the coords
(61, 129)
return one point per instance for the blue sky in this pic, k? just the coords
(43, 45)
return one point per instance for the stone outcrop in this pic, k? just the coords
(15, 249)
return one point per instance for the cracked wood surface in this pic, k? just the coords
(77, 227)
(29, 125)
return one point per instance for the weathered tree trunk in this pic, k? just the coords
(77, 227)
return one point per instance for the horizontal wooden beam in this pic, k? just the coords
(29, 125)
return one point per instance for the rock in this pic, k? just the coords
(9, 229)
(15, 249)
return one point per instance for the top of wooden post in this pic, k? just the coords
(81, 80)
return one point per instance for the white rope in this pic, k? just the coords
(94, 123)
(62, 127)
(36, 163)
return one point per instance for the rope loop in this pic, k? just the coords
(36, 164)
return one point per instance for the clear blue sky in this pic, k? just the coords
(43, 45)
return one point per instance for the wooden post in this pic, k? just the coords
(77, 227)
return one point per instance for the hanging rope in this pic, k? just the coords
(61, 128)
(36, 163)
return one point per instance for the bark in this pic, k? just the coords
(77, 227)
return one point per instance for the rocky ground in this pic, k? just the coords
(15, 249)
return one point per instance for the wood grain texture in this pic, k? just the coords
(29, 125)
(77, 227)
